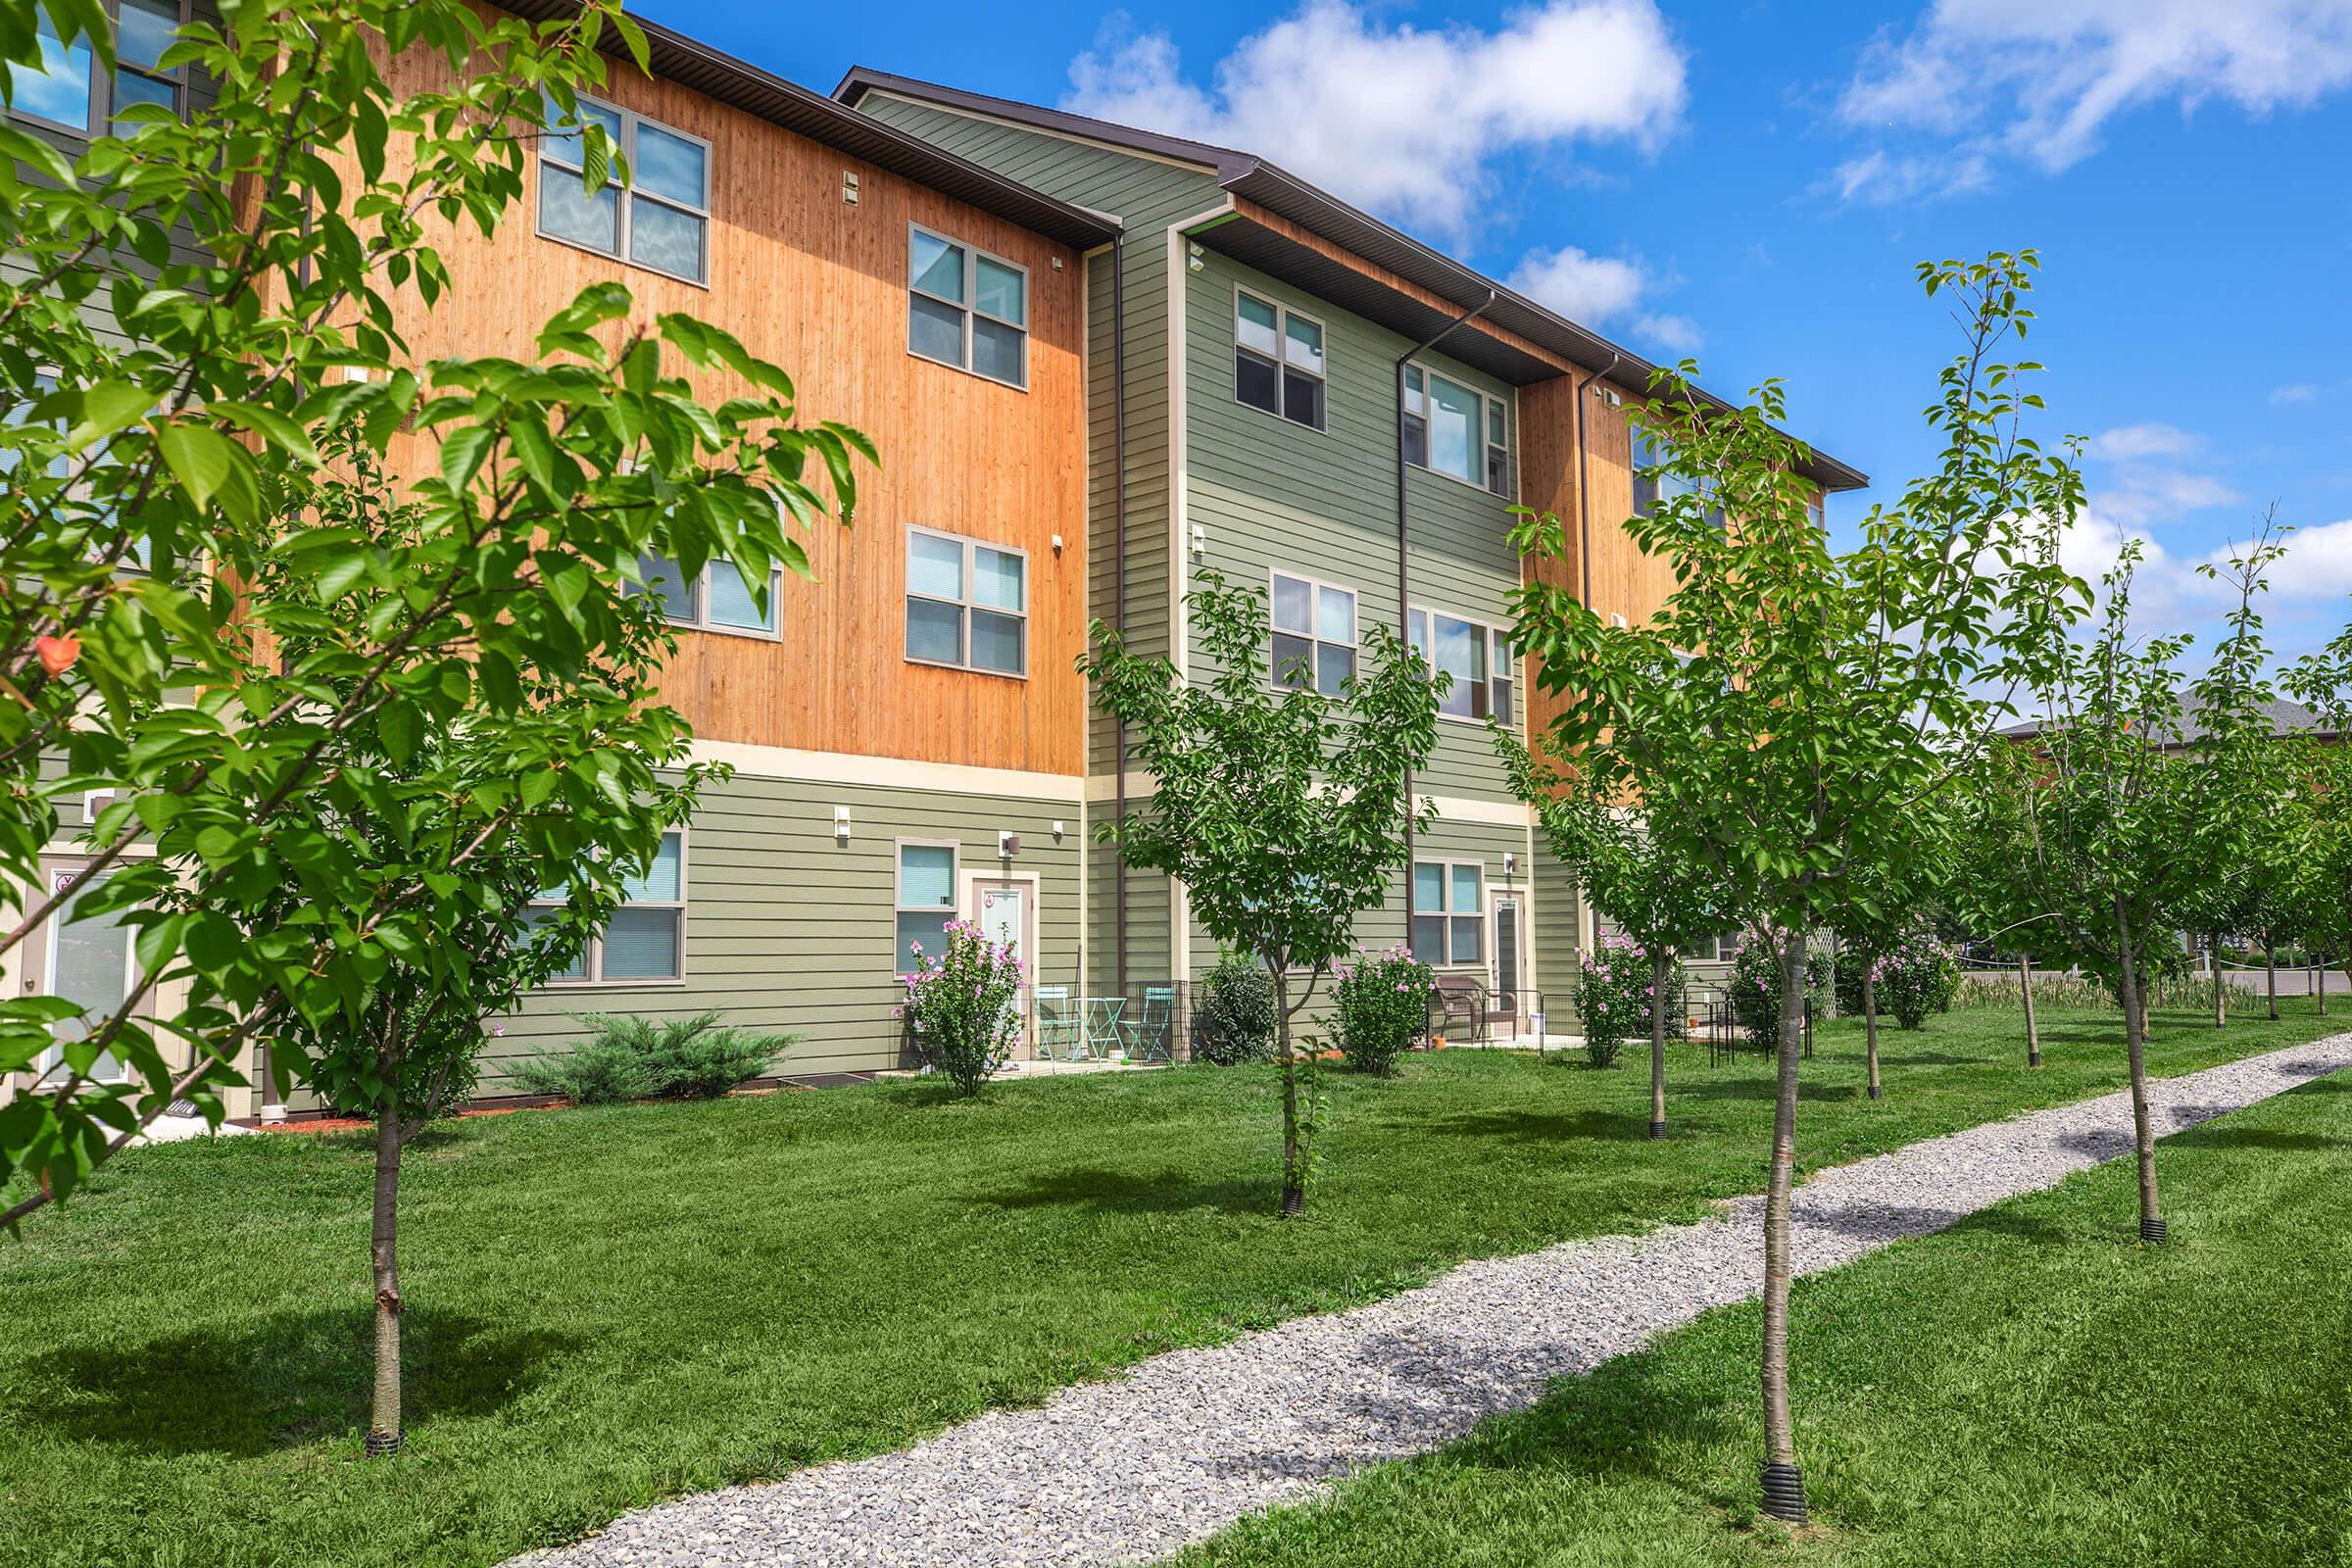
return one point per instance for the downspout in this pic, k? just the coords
(1584, 490)
(1404, 594)
(1118, 569)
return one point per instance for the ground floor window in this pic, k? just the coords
(926, 902)
(1449, 922)
(645, 938)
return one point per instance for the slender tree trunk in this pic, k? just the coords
(1783, 1484)
(385, 1434)
(2024, 980)
(1294, 1166)
(2151, 1223)
(2221, 1005)
(2270, 963)
(2319, 980)
(1661, 966)
(1870, 1026)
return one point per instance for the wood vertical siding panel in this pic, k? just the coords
(821, 287)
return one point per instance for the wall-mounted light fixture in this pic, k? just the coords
(1511, 863)
(1058, 831)
(840, 823)
(1200, 541)
(1058, 544)
(1008, 845)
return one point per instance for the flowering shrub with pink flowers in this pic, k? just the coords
(1756, 989)
(1917, 975)
(1615, 991)
(1383, 1007)
(964, 1007)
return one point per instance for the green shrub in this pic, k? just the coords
(1383, 1007)
(1235, 1014)
(1756, 989)
(1915, 977)
(1613, 997)
(629, 1057)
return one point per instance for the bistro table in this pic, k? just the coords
(1104, 1033)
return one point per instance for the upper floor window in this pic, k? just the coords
(662, 223)
(967, 604)
(1449, 912)
(1276, 359)
(1817, 510)
(644, 940)
(967, 307)
(715, 600)
(1314, 635)
(1456, 430)
(69, 92)
(1653, 483)
(1476, 655)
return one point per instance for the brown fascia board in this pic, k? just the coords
(1360, 233)
(674, 57)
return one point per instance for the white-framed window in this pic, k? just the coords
(1278, 363)
(1314, 634)
(1477, 654)
(1653, 484)
(662, 223)
(1450, 913)
(644, 942)
(1817, 511)
(967, 307)
(967, 603)
(1721, 947)
(1456, 430)
(717, 599)
(91, 960)
(925, 900)
(70, 93)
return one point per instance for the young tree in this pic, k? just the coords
(1631, 875)
(2121, 824)
(569, 798)
(1281, 809)
(245, 275)
(1988, 836)
(1790, 705)
(2321, 766)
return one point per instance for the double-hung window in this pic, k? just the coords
(1449, 920)
(1276, 359)
(1478, 657)
(967, 604)
(967, 307)
(1456, 430)
(662, 223)
(644, 940)
(715, 600)
(67, 90)
(1314, 635)
(926, 902)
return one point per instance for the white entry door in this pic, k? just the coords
(1006, 911)
(1510, 964)
(89, 962)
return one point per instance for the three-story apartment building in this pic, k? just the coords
(1312, 401)
(1096, 363)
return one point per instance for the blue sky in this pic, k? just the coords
(1752, 183)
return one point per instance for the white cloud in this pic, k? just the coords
(1399, 119)
(1884, 180)
(2128, 443)
(2039, 80)
(2294, 392)
(2318, 564)
(2141, 497)
(1597, 291)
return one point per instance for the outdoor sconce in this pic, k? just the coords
(1200, 541)
(1057, 832)
(1008, 845)
(840, 824)
(1511, 863)
(1058, 544)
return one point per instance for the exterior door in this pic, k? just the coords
(1006, 911)
(1511, 972)
(89, 961)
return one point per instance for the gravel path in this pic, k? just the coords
(1138, 1466)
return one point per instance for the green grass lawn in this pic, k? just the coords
(2028, 1387)
(608, 1306)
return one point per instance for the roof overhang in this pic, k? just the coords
(674, 57)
